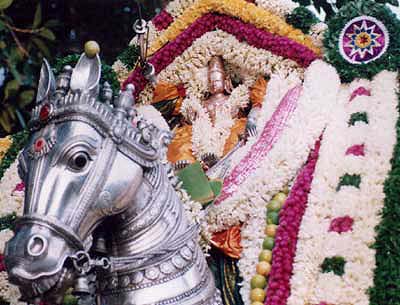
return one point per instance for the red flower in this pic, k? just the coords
(341, 224)
(2, 265)
(286, 236)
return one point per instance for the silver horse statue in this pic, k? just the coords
(101, 213)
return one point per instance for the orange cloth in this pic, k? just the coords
(258, 92)
(228, 241)
(167, 91)
(5, 144)
(181, 145)
(237, 129)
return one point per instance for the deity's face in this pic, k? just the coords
(216, 75)
(216, 82)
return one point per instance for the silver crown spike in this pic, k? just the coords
(63, 81)
(124, 104)
(107, 93)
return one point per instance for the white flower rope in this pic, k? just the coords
(278, 7)
(363, 205)
(10, 200)
(247, 205)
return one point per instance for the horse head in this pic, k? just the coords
(83, 163)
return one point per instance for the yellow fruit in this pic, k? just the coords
(281, 198)
(263, 268)
(92, 48)
(265, 256)
(257, 303)
(270, 230)
(257, 295)
(258, 281)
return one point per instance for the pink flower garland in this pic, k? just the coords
(278, 45)
(286, 236)
(162, 20)
(270, 134)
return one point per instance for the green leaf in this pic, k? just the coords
(42, 47)
(46, 33)
(11, 89)
(5, 3)
(52, 23)
(5, 121)
(2, 44)
(25, 98)
(37, 20)
(393, 2)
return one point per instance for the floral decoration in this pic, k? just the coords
(286, 236)
(340, 222)
(363, 39)
(247, 12)
(347, 57)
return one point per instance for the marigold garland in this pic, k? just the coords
(247, 12)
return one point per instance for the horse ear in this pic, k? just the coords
(47, 83)
(86, 74)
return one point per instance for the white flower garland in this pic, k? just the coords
(242, 60)
(10, 201)
(308, 285)
(279, 7)
(289, 153)
(9, 292)
(121, 70)
(208, 137)
(211, 138)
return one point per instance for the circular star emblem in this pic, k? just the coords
(363, 39)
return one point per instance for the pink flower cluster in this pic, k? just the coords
(20, 187)
(162, 20)
(341, 224)
(360, 91)
(286, 236)
(278, 45)
(356, 150)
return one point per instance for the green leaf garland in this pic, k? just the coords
(387, 272)
(302, 18)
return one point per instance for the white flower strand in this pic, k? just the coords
(10, 201)
(278, 7)
(308, 285)
(289, 153)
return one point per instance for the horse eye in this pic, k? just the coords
(79, 161)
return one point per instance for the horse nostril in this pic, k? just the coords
(37, 245)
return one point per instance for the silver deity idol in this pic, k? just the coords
(101, 214)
